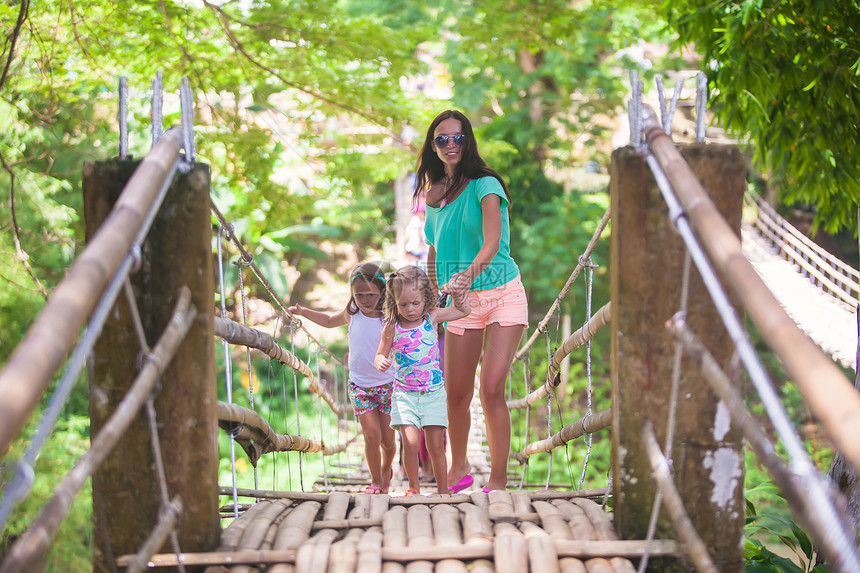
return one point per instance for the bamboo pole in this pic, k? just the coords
(370, 551)
(599, 518)
(684, 527)
(257, 437)
(582, 335)
(236, 333)
(580, 526)
(166, 523)
(575, 273)
(830, 396)
(292, 533)
(446, 531)
(587, 425)
(622, 565)
(599, 565)
(394, 535)
(48, 340)
(273, 493)
(344, 553)
(32, 545)
(582, 549)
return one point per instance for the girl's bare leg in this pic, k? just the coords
(409, 435)
(371, 427)
(389, 448)
(462, 353)
(501, 347)
(433, 436)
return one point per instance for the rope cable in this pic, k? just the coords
(590, 394)
(672, 414)
(228, 370)
(296, 395)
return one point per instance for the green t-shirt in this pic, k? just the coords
(456, 231)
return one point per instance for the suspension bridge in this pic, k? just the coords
(671, 496)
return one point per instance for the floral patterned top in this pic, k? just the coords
(416, 352)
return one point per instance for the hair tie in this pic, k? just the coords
(356, 275)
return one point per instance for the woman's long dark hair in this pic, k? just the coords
(431, 169)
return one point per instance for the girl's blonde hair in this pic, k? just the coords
(397, 280)
(372, 273)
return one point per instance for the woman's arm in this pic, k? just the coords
(382, 361)
(460, 309)
(431, 268)
(323, 319)
(491, 219)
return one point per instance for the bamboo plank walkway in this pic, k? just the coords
(830, 323)
(506, 532)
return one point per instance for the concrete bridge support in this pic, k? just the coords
(126, 491)
(646, 268)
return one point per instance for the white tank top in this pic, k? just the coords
(364, 334)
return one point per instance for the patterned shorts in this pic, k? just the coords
(368, 399)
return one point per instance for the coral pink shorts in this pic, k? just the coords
(505, 304)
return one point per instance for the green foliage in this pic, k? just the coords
(786, 75)
(72, 546)
(775, 528)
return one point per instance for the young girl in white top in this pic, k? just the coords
(419, 399)
(369, 389)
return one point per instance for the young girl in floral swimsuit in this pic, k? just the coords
(419, 399)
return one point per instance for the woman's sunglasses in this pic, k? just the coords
(442, 140)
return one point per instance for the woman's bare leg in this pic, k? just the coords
(371, 428)
(501, 347)
(462, 353)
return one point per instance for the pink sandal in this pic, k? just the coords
(372, 490)
(387, 485)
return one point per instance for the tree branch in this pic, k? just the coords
(225, 18)
(23, 11)
(22, 255)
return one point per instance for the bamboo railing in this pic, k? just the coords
(48, 340)
(830, 396)
(820, 267)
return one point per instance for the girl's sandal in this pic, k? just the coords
(386, 486)
(373, 490)
(412, 491)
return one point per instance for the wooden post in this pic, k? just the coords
(126, 491)
(646, 269)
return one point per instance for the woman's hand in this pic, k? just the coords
(459, 285)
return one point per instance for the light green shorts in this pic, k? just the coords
(419, 409)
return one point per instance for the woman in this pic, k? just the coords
(467, 228)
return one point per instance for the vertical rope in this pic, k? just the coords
(186, 113)
(228, 370)
(588, 297)
(316, 350)
(293, 327)
(701, 105)
(673, 407)
(549, 413)
(157, 103)
(123, 117)
(528, 416)
(162, 477)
